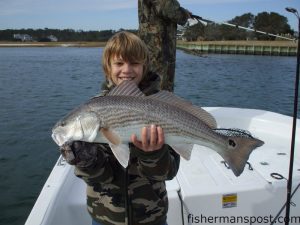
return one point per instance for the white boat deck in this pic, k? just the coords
(210, 192)
(207, 185)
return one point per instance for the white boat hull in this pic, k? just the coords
(210, 192)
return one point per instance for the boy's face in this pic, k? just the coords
(122, 70)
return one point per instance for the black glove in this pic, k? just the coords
(79, 153)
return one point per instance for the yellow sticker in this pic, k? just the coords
(229, 200)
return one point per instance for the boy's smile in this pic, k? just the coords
(123, 70)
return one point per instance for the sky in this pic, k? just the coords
(115, 14)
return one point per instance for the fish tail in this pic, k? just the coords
(238, 152)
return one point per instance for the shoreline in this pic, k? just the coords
(179, 42)
(242, 42)
(271, 48)
(51, 44)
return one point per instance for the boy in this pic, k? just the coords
(135, 195)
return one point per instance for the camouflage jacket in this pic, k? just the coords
(158, 21)
(136, 195)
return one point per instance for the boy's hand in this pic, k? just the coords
(152, 139)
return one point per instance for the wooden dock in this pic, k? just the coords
(271, 48)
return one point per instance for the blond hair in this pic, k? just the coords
(129, 47)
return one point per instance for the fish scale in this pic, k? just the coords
(130, 109)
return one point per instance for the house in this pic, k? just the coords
(52, 38)
(23, 37)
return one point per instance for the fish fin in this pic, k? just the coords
(111, 136)
(121, 152)
(126, 88)
(184, 150)
(238, 152)
(94, 134)
(171, 99)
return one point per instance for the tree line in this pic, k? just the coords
(62, 35)
(273, 23)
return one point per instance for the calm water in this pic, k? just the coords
(39, 85)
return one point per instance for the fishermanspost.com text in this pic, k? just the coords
(202, 219)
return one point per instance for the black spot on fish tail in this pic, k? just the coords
(231, 143)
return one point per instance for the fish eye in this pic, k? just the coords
(231, 143)
(62, 124)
